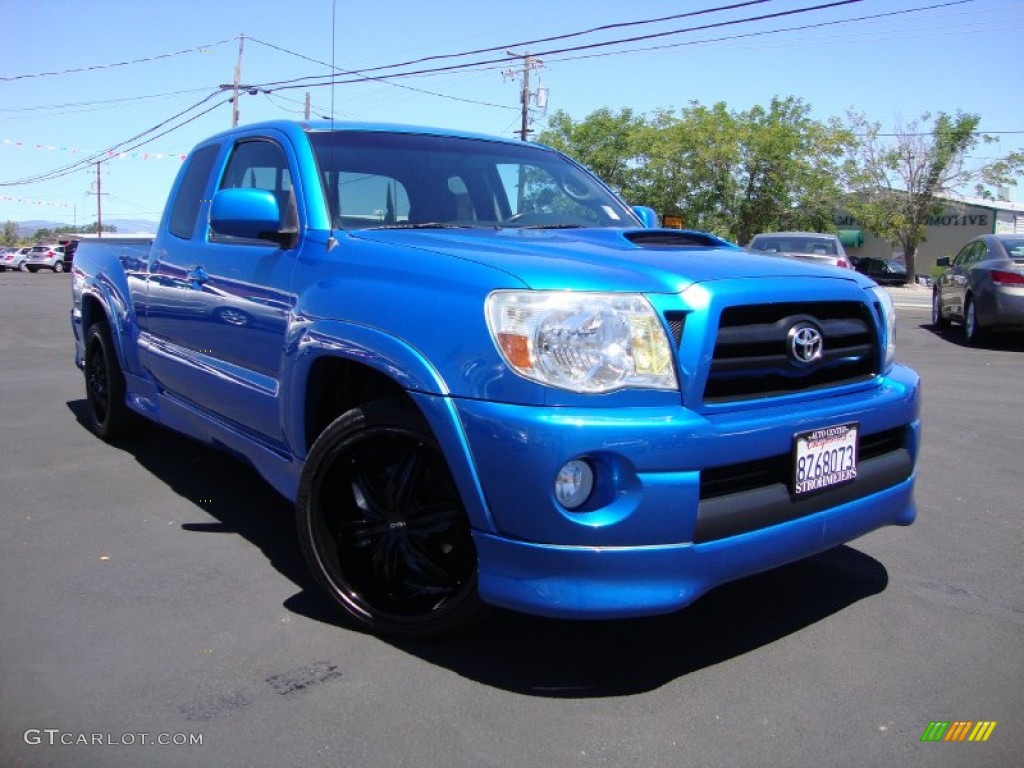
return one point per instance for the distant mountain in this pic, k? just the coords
(124, 226)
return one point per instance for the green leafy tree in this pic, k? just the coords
(687, 165)
(10, 236)
(900, 180)
(731, 173)
(604, 142)
(789, 174)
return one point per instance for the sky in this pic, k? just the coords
(78, 79)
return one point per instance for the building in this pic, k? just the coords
(947, 232)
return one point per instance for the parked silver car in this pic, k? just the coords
(816, 247)
(982, 287)
(14, 259)
(45, 257)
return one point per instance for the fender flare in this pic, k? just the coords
(407, 367)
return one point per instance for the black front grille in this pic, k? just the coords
(753, 358)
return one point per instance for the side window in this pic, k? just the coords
(262, 164)
(964, 256)
(182, 222)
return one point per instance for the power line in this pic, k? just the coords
(360, 76)
(761, 33)
(136, 141)
(94, 67)
(594, 30)
(384, 80)
(41, 107)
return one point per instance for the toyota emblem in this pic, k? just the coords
(806, 345)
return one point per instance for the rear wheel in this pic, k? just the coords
(109, 417)
(973, 332)
(383, 528)
(33, 270)
(58, 267)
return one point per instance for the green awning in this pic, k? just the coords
(851, 238)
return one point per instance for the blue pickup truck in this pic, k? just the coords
(483, 380)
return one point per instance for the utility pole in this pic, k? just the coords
(529, 62)
(99, 200)
(307, 105)
(238, 80)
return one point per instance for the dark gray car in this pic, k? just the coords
(982, 287)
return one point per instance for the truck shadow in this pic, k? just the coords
(513, 652)
(576, 659)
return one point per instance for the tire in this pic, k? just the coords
(58, 267)
(382, 526)
(33, 270)
(23, 267)
(938, 321)
(973, 332)
(109, 417)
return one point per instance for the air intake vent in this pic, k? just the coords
(660, 238)
(755, 355)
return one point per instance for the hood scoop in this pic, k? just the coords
(674, 238)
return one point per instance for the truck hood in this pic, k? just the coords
(640, 260)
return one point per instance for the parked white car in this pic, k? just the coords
(45, 257)
(816, 247)
(14, 259)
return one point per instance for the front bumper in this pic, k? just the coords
(653, 538)
(622, 582)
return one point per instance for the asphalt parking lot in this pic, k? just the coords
(153, 591)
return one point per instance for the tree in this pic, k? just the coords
(10, 236)
(789, 171)
(731, 173)
(901, 179)
(47, 233)
(604, 142)
(686, 166)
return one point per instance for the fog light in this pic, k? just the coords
(574, 483)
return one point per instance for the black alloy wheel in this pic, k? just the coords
(383, 528)
(104, 385)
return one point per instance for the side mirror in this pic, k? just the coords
(252, 214)
(647, 216)
(942, 261)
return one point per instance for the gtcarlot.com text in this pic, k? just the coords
(54, 736)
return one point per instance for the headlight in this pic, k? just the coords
(584, 342)
(888, 322)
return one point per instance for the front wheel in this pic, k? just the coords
(382, 526)
(938, 321)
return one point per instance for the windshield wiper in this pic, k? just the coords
(552, 226)
(424, 225)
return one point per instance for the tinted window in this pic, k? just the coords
(190, 192)
(262, 164)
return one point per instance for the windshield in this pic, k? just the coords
(400, 180)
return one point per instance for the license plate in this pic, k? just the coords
(824, 458)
